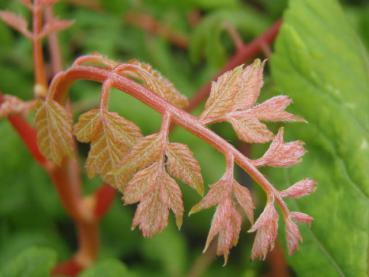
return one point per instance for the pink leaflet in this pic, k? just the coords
(251, 83)
(226, 224)
(230, 198)
(281, 154)
(301, 218)
(157, 192)
(215, 195)
(244, 199)
(13, 105)
(266, 227)
(293, 236)
(140, 183)
(15, 21)
(274, 110)
(54, 26)
(249, 129)
(236, 89)
(151, 215)
(300, 189)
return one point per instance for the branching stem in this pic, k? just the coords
(165, 125)
(61, 84)
(234, 35)
(28, 135)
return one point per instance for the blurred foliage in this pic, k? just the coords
(107, 268)
(32, 262)
(30, 211)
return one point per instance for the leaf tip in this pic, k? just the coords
(179, 222)
(193, 210)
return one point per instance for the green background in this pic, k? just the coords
(320, 59)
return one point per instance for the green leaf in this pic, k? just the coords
(322, 65)
(364, 25)
(107, 268)
(33, 262)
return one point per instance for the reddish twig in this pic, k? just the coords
(277, 262)
(203, 261)
(54, 47)
(194, 17)
(68, 268)
(235, 36)
(151, 25)
(104, 197)
(88, 238)
(38, 57)
(244, 54)
(28, 135)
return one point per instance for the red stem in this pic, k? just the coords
(28, 135)
(68, 268)
(39, 66)
(277, 263)
(54, 47)
(104, 100)
(246, 52)
(104, 198)
(235, 36)
(88, 240)
(68, 188)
